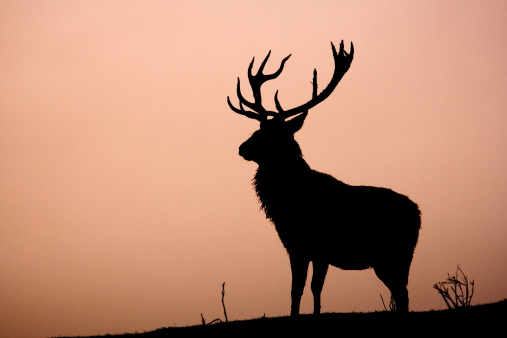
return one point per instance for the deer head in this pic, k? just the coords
(275, 137)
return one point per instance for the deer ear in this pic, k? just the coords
(297, 122)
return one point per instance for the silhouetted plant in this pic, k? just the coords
(318, 218)
(457, 290)
(223, 303)
(217, 320)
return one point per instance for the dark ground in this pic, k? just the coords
(486, 320)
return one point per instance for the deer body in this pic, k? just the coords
(320, 219)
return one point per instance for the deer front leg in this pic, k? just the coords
(299, 267)
(319, 275)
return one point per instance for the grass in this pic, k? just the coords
(479, 320)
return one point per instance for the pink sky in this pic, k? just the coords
(124, 204)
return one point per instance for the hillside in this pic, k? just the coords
(479, 320)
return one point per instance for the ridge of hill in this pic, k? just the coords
(480, 320)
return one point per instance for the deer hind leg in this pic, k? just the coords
(299, 267)
(396, 281)
(319, 275)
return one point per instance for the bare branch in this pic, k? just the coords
(460, 287)
(217, 320)
(223, 303)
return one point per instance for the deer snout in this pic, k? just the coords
(245, 151)
(242, 151)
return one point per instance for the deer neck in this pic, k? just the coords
(276, 184)
(276, 180)
(279, 168)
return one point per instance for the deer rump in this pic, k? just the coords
(350, 227)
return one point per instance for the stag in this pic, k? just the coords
(318, 218)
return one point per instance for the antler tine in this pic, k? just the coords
(342, 61)
(277, 104)
(314, 94)
(260, 77)
(244, 112)
(256, 81)
(241, 110)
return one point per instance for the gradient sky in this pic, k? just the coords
(124, 205)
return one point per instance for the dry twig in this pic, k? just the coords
(457, 291)
(223, 303)
(217, 320)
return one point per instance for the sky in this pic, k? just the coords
(124, 204)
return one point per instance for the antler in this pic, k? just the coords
(256, 81)
(342, 61)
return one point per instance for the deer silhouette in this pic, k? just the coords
(318, 218)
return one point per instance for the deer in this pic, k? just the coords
(318, 218)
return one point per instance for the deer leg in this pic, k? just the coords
(299, 267)
(319, 275)
(400, 295)
(396, 282)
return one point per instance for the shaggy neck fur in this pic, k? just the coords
(275, 183)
